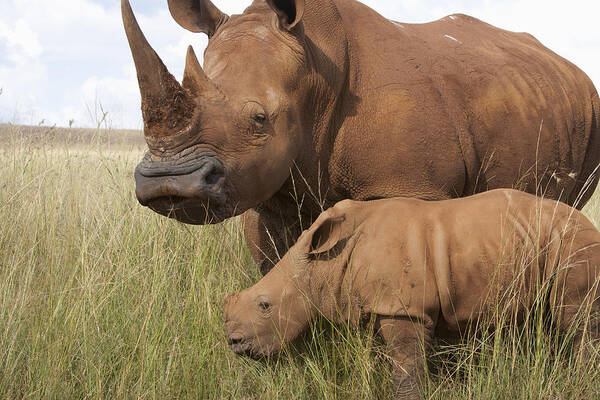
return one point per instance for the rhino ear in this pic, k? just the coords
(328, 230)
(290, 12)
(197, 15)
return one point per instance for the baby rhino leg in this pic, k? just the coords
(405, 341)
(585, 320)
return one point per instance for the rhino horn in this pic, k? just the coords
(166, 107)
(194, 78)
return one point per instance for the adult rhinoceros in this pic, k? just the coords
(326, 99)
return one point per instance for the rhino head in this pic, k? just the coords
(223, 140)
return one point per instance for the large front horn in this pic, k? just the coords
(166, 107)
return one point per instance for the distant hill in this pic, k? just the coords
(40, 136)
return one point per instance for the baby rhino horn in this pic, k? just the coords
(230, 299)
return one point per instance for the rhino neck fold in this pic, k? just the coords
(329, 285)
(327, 51)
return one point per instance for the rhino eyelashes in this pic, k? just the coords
(264, 305)
(260, 119)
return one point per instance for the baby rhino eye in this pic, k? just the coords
(264, 305)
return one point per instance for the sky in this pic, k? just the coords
(67, 61)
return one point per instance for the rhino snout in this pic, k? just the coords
(193, 196)
(238, 344)
(236, 340)
(204, 179)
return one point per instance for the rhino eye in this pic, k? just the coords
(264, 305)
(259, 119)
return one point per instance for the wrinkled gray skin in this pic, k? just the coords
(303, 103)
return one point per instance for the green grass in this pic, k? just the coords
(101, 299)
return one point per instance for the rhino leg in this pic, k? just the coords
(575, 295)
(586, 321)
(406, 342)
(265, 236)
(586, 341)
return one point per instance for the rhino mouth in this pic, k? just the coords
(241, 347)
(193, 194)
(244, 347)
(192, 211)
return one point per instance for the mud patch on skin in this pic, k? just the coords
(165, 115)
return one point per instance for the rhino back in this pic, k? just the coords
(463, 96)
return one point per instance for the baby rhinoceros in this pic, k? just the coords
(422, 269)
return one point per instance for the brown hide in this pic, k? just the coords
(428, 268)
(352, 105)
(445, 262)
(463, 94)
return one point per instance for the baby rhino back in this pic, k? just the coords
(505, 245)
(450, 261)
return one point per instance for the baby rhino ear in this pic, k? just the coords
(328, 230)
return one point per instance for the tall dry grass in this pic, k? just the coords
(102, 299)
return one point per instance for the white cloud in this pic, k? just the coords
(21, 39)
(21, 71)
(59, 58)
(119, 97)
(43, 42)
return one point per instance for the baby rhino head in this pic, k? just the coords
(266, 316)
(259, 320)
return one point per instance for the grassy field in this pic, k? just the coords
(102, 299)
